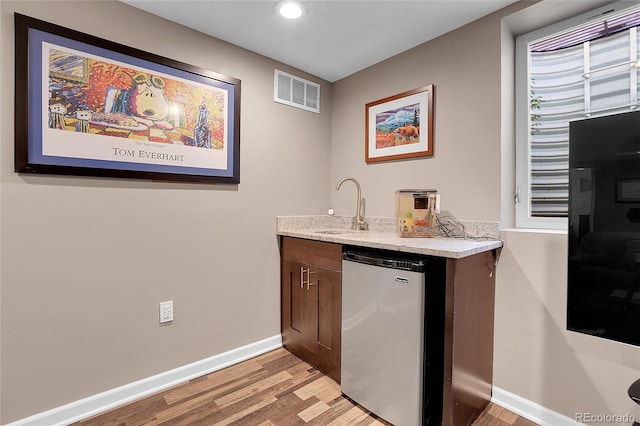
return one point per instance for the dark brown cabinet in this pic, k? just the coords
(459, 315)
(311, 302)
(468, 337)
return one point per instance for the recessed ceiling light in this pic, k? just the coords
(291, 9)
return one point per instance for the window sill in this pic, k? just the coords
(535, 231)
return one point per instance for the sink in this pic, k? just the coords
(334, 231)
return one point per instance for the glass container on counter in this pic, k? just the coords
(416, 212)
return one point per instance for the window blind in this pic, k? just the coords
(594, 78)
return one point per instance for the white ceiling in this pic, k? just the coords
(335, 38)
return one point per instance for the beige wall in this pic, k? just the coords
(473, 169)
(464, 66)
(535, 356)
(74, 251)
(86, 261)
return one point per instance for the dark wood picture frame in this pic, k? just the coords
(400, 126)
(89, 106)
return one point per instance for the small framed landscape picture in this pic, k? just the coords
(400, 126)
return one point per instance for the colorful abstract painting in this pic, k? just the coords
(99, 97)
(94, 105)
(102, 98)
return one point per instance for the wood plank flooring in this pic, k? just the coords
(272, 389)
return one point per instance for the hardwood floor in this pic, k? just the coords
(272, 389)
(494, 415)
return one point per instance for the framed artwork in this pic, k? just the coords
(628, 190)
(400, 126)
(88, 106)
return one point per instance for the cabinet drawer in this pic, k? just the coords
(319, 253)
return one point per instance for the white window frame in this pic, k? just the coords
(523, 149)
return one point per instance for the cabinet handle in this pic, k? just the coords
(309, 283)
(302, 280)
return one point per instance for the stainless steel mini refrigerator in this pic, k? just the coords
(383, 335)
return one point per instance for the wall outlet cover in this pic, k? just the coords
(166, 311)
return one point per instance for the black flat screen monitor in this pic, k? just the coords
(604, 227)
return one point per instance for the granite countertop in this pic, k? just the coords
(471, 237)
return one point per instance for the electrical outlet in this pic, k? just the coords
(166, 311)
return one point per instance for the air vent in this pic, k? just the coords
(296, 92)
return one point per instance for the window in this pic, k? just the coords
(584, 67)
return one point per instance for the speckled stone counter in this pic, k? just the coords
(475, 237)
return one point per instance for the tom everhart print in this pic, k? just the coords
(98, 108)
(134, 104)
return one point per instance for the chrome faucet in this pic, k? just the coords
(359, 223)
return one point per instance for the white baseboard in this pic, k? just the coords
(113, 398)
(529, 409)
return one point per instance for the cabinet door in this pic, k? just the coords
(296, 315)
(326, 311)
(311, 302)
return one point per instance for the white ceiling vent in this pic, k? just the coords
(295, 91)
